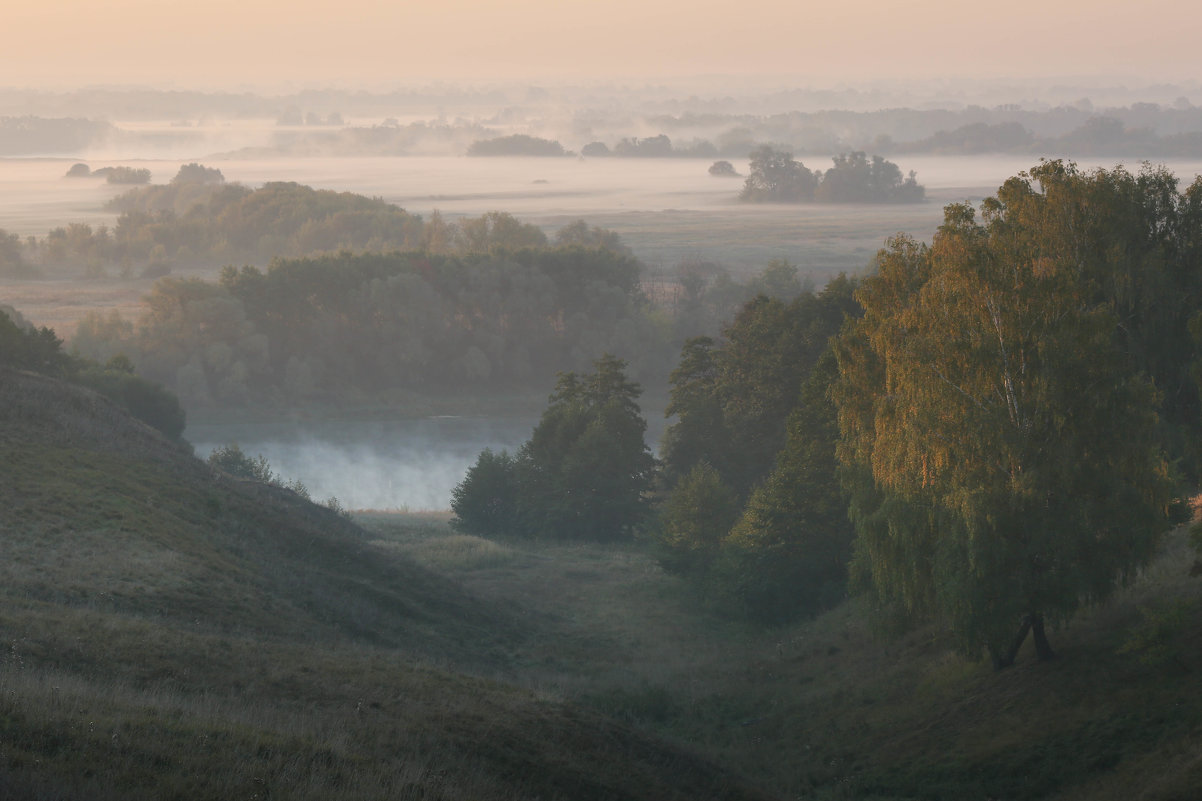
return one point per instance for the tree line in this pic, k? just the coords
(990, 431)
(349, 327)
(500, 309)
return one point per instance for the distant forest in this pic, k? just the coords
(312, 126)
(346, 328)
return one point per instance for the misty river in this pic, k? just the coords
(408, 463)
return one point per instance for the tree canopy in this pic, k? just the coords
(584, 473)
(1001, 447)
(776, 177)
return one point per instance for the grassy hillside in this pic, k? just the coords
(835, 708)
(169, 632)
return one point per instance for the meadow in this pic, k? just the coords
(839, 707)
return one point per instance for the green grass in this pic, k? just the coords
(834, 708)
(166, 632)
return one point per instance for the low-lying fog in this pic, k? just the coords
(665, 209)
(34, 195)
(408, 464)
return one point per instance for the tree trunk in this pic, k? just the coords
(1005, 659)
(1042, 649)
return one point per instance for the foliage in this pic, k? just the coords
(194, 173)
(146, 400)
(1000, 447)
(584, 473)
(856, 179)
(754, 421)
(345, 325)
(11, 261)
(581, 234)
(230, 459)
(723, 169)
(694, 521)
(497, 230)
(776, 177)
(699, 435)
(205, 221)
(124, 175)
(487, 503)
(659, 146)
(732, 401)
(515, 145)
(27, 348)
(789, 551)
(40, 350)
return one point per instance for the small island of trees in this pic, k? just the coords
(776, 177)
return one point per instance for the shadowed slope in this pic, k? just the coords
(171, 632)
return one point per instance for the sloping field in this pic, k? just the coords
(169, 632)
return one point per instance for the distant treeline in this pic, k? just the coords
(1142, 130)
(191, 224)
(353, 328)
(1145, 130)
(708, 130)
(197, 220)
(516, 145)
(23, 136)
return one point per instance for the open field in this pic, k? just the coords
(61, 304)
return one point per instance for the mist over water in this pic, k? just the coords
(410, 464)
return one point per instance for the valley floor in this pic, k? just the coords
(837, 708)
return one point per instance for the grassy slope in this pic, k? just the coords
(171, 633)
(831, 709)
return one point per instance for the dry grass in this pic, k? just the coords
(61, 304)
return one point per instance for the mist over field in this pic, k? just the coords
(337, 349)
(668, 209)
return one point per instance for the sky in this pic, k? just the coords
(260, 44)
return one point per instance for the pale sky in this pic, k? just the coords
(275, 43)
